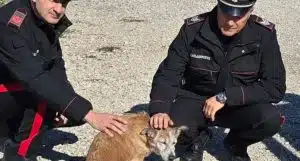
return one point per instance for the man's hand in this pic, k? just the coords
(60, 120)
(106, 122)
(211, 107)
(161, 120)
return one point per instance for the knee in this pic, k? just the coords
(270, 123)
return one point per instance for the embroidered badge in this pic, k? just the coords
(18, 17)
(195, 19)
(264, 22)
(200, 56)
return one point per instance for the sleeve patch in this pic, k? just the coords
(17, 18)
(196, 19)
(263, 22)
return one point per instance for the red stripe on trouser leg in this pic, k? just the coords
(282, 120)
(35, 129)
(11, 87)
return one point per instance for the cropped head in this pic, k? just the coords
(233, 15)
(51, 11)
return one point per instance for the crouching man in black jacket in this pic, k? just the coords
(224, 69)
(34, 89)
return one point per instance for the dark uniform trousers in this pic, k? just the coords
(24, 128)
(248, 124)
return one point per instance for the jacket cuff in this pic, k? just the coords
(77, 109)
(159, 107)
(235, 96)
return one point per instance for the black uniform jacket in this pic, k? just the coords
(30, 54)
(249, 69)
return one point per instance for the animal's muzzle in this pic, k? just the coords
(171, 157)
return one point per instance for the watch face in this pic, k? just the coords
(220, 98)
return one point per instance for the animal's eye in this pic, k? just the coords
(162, 142)
(174, 142)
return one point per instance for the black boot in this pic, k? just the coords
(10, 150)
(195, 152)
(236, 152)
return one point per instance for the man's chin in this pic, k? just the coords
(228, 32)
(52, 21)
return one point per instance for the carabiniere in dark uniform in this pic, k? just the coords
(32, 73)
(206, 67)
(246, 70)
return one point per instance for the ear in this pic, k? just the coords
(179, 129)
(149, 132)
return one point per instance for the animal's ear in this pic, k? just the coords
(149, 132)
(179, 129)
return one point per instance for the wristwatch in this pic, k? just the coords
(221, 97)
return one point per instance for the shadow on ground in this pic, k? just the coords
(290, 132)
(54, 138)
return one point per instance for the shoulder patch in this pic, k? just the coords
(17, 18)
(261, 21)
(196, 19)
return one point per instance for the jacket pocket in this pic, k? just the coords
(245, 60)
(244, 77)
(204, 75)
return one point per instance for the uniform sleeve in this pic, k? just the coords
(271, 86)
(168, 76)
(60, 71)
(16, 55)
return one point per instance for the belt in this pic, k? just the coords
(37, 122)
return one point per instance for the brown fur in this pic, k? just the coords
(133, 145)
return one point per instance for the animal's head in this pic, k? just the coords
(162, 142)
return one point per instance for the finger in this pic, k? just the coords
(171, 123)
(161, 122)
(166, 122)
(152, 121)
(60, 121)
(213, 117)
(114, 128)
(204, 107)
(120, 126)
(206, 111)
(211, 113)
(107, 131)
(155, 121)
(120, 119)
(56, 119)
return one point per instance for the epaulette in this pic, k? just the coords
(17, 19)
(263, 22)
(196, 19)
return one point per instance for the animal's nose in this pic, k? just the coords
(171, 157)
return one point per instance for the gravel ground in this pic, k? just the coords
(114, 47)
